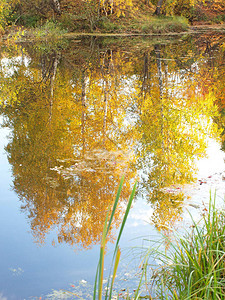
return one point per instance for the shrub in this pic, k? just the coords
(165, 24)
(49, 29)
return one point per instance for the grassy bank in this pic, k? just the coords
(191, 267)
(146, 24)
(53, 31)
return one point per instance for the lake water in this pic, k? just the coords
(76, 116)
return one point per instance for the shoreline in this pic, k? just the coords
(193, 29)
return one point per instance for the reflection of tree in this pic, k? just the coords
(167, 208)
(175, 123)
(73, 133)
(68, 151)
(212, 78)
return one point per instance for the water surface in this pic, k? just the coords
(78, 115)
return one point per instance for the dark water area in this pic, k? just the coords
(78, 115)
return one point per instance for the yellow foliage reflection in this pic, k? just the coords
(81, 119)
(175, 124)
(69, 150)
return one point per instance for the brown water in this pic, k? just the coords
(78, 115)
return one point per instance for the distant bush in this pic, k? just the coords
(49, 29)
(165, 24)
(107, 25)
(29, 20)
(219, 19)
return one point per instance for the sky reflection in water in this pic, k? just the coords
(76, 120)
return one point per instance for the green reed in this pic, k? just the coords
(98, 286)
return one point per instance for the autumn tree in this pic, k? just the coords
(193, 10)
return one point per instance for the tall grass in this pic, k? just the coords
(194, 266)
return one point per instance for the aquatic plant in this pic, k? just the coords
(116, 254)
(194, 267)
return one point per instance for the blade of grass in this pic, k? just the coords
(96, 280)
(102, 256)
(116, 254)
(120, 232)
(115, 204)
(144, 266)
(126, 213)
(117, 259)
